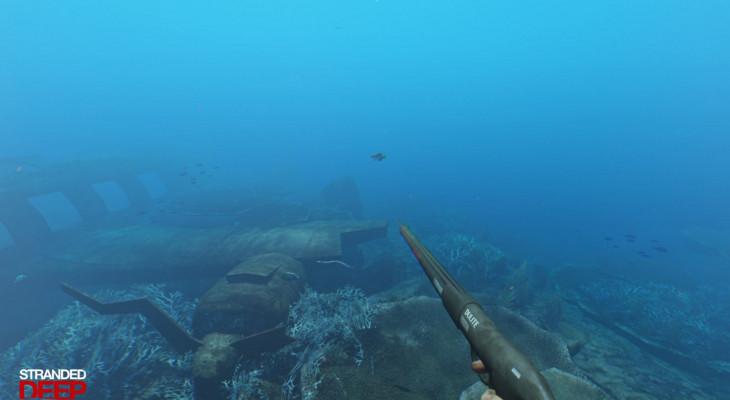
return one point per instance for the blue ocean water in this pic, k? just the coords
(564, 132)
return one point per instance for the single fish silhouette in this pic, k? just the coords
(378, 156)
(290, 276)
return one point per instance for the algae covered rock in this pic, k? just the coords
(565, 386)
(416, 352)
(543, 349)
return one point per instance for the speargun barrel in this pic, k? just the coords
(510, 372)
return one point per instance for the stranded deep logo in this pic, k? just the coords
(56, 384)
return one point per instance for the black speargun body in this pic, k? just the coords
(510, 372)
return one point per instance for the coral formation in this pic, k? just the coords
(552, 307)
(123, 355)
(684, 326)
(516, 293)
(324, 326)
(471, 261)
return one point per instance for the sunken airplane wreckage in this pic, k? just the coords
(244, 313)
(72, 223)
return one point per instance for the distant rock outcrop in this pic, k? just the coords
(344, 194)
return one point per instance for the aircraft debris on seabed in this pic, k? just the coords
(89, 225)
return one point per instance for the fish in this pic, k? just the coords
(20, 278)
(290, 276)
(661, 249)
(608, 238)
(183, 173)
(378, 156)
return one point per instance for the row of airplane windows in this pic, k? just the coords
(60, 213)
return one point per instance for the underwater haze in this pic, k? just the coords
(554, 117)
(557, 109)
(564, 133)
